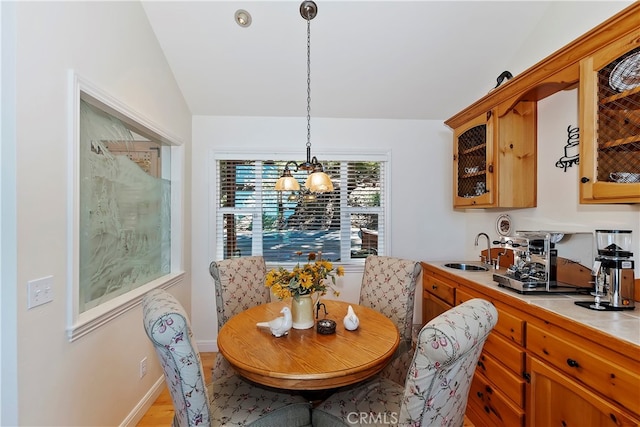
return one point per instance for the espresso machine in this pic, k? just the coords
(534, 269)
(613, 272)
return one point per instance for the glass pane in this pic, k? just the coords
(283, 246)
(237, 235)
(472, 154)
(619, 120)
(125, 209)
(364, 235)
(364, 184)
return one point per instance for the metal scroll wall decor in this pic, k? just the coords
(571, 151)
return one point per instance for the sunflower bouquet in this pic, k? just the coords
(312, 277)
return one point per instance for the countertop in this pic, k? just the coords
(622, 325)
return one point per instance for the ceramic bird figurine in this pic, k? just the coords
(351, 321)
(280, 325)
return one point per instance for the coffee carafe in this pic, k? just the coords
(614, 270)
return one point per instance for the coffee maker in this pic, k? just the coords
(613, 271)
(534, 268)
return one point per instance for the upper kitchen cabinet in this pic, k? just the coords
(494, 159)
(495, 146)
(610, 123)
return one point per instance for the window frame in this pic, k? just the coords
(351, 264)
(82, 323)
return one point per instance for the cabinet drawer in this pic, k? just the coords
(508, 325)
(584, 361)
(442, 290)
(497, 410)
(506, 381)
(509, 354)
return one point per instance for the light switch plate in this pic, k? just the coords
(39, 291)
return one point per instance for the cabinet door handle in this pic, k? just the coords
(573, 363)
(490, 168)
(584, 180)
(434, 287)
(526, 376)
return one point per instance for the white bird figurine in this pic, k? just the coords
(351, 321)
(280, 325)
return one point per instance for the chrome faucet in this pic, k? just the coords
(487, 259)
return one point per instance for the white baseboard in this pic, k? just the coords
(207, 346)
(143, 406)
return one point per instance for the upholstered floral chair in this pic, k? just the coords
(239, 285)
(230, 401)
(437, 386)
(388, 286)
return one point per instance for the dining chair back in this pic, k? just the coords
(388, 286)
(437, 386)
(239, 285)
(229, 401)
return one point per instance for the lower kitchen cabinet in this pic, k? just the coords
(488, 406)
(556, 400)
(498, 394)
(537, 372)
(438, 296)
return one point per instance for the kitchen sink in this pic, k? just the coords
(466, 267)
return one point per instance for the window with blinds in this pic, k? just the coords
(254, 219)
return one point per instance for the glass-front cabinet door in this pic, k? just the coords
(472, 163)
(610, 124)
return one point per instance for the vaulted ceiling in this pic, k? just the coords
(369, 59)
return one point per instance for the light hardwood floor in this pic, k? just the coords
(161, 412)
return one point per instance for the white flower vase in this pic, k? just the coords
(302, 312)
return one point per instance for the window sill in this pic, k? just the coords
(104, 313)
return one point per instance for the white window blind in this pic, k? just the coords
(254, 219)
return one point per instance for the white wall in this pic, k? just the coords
(422, 223)
(94, 380)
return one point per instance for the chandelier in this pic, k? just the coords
(317, 180)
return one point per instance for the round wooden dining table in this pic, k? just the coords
(306, 359)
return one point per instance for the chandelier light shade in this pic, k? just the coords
(317, 181)
(287, 182)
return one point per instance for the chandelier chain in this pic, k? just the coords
(308, 80)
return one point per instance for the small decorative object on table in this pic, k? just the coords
(302, 282)
(326, 327)
(279, 326)
(351, 321)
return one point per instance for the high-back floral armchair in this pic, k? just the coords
(239, 285)
(437, 386)
(229, 401)
(388, 286)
